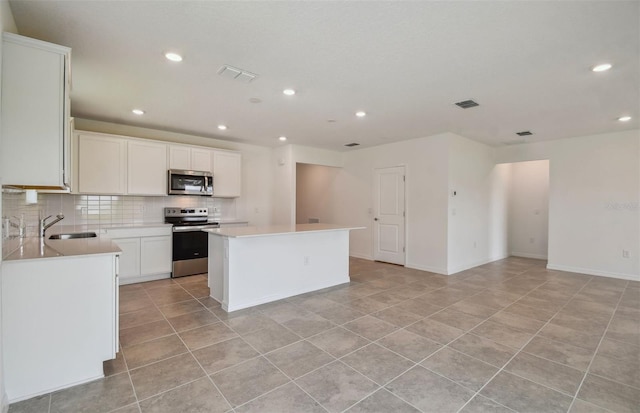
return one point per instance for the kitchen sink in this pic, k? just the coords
(74, 235)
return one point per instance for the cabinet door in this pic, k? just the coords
(155, 255)
(179, 157)
(34, 112)
(201, 159)
(146, 168)
(227, 174)
(129, 258)
(102, 164)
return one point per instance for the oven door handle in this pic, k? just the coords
(194, 228)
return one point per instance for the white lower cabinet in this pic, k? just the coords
(155, 255)
(146, 252)
(130, 258)
(59, 322)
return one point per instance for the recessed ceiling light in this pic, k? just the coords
(174, 57)
(138, 111)
(601, 67)
(222, 127)
(624, 118)
(361, 114)
(289, 92)
(282, 138)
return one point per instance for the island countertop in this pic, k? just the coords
(239, 232)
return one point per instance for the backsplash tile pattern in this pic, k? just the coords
(105, 210)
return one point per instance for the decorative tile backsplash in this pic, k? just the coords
(105, 210)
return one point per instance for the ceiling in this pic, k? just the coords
(405, 63)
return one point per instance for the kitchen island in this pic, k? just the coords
(249, 266)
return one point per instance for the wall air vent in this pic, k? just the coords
(524, 133)
(352, 144)
(466, 104)
(235, 73)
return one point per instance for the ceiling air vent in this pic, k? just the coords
(352, 144)
(466, 104)
(235, 73)
(524, 133)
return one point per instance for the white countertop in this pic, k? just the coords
(37, 248)
(237, 232)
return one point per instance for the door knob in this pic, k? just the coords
(375, 219)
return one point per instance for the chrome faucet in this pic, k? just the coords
(43, 226)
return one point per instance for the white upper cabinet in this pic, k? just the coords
(179, 157)
(102, 164)
(120, 165)
(201, 159)
(35, 113)
(227, 174)
(146, 168)
(189, 158)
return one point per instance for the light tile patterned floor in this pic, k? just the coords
(506, 336)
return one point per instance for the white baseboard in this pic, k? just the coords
(362, 256)
(459, 268)
(589, 271)
(527, 255)
(437, 270)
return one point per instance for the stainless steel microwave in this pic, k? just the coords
(190, 183)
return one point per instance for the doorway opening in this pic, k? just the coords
(528, 220)
(314, 193)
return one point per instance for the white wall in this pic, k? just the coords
(529, 209)
(7, 24)
(477, 213)
(498, 237)
(255, 204)
(426, 166)
(594, 195)
(284, 186)
(314, 192)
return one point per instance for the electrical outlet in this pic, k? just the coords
(257, 210)
(216, 209)
(532, 240)
(475, 244)
(453, 211)
(625, 254)
(306, 260)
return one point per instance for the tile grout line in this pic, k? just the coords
(188, 351)
(260, 355)
(525, 344)
(126, 364)
(418, 363)
(595, 353)
(263, 355)
(415, 364)
(336, 325)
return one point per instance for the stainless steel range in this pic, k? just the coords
(190, 243)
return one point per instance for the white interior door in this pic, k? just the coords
(389, 218)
